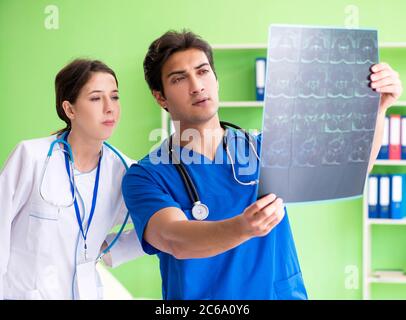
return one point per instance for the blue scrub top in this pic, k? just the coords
(260, 268)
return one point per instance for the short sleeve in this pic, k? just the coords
(144, 197)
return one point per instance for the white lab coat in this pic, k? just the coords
(40, 244)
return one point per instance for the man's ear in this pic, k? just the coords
(69, 110)
(160, 99)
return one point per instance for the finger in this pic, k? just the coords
(260, 204)
(268, 211)
(274, 216)
(383, 74)
(273, 220)
(380, 66)
(384, 82)
(395, 89)
(273, 224)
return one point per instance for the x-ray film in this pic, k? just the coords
(320, 113)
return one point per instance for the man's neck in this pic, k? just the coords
(202, 138)
(86, 151)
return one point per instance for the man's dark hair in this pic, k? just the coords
(162, 48)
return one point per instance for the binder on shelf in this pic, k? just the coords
(384, 151)
(394, 137)
(260, 67)
(397, 202)
(373, 192)
(384, 197)
(403, 137)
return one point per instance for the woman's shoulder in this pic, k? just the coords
(117, 156)
(31, 149)
(37, 146)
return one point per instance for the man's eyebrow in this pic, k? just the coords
(176, 72)
(202, 65)
(184, 71)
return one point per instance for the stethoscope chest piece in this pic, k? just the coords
(200, 211)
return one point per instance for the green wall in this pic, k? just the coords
(328, 236)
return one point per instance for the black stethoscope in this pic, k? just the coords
(199, 210)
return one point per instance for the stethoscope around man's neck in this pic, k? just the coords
(200, 211)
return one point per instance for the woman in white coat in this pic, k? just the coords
(49, 243)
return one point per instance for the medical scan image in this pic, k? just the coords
(320, 113)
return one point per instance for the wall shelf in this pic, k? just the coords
(400, 279)
(387, 221)
(243, 46)
(240, 104)
(249, 46)
(390, 162)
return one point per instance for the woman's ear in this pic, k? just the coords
(68, 108)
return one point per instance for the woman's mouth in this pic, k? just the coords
(109, 123)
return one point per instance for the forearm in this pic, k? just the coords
(168, 230)
(199, 239)
(126, 248)
(377, 142)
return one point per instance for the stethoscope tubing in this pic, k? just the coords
(187, 180)
(72, 180)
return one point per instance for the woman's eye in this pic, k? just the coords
(115, 98)
(94, 99)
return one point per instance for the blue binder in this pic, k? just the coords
(260, 71)
(384, 197)
(397, 204)
(373, 196)
(384, 151)
(403, 137)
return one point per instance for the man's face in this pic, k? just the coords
(190, 88)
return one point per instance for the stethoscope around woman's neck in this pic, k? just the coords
(199, 210)
(69, 162)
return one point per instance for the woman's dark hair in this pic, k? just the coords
(162, 48)
(71, 79)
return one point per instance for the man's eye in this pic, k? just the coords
(176, 80)
(94, 99)
(115, 98)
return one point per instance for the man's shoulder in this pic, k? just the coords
(154, 161)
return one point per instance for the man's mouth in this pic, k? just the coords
(200, 102)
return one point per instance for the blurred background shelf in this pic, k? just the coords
(240, 104)
(248, 46)
(387, 221)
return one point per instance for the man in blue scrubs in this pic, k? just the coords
(244, 249)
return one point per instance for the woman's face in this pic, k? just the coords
(96, 110)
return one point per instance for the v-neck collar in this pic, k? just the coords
(219, 154)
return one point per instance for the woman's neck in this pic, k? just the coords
(86, 151)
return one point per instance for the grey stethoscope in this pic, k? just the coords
(200, 211)
(68, 150)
